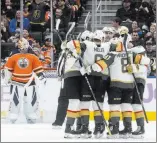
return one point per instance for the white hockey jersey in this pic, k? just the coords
(118, 73)
(141, 76)
(94, 53)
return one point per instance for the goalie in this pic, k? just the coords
(20, 71)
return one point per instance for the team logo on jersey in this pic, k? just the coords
(23, 63)
(37, 14)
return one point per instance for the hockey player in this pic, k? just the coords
(94, 51)
(137, 107)
(63, 98)
(20, 71)
(122, 84)
(72, 85)
(108, 32)
(90, 52)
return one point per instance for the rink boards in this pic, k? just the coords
(49, 100)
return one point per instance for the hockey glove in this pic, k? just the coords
(95, 67)
(132, 68)
(83, 71)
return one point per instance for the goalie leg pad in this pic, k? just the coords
(15, 104)
(31, 104)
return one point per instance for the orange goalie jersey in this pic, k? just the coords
(22, 66)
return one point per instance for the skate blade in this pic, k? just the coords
(125, 136)
(99, 135)
(57, 127)
(69, 136)
(85, 136)
(137, 136)
(116, 136)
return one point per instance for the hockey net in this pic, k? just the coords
(50, 72)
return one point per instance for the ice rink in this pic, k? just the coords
(45, 133)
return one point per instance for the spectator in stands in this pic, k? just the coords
(26, 13)
(153, 28)
(16, 37)
(27, 36)
(134, 27)
(126, 13)
(38, 10)
(8, 10)
(145, 14)
(15, 23)
(116, 22)
(151, 52)
(4, 32)
(75, 5)
(136, 41)
(46, 51)
(62, 11)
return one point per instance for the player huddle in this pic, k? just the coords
(90, 66)
(97, 63)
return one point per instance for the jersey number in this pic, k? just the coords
(98, 57)
(124, 63)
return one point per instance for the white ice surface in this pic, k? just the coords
(45, 133)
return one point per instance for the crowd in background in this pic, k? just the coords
(138, 15)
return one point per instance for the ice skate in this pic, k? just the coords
(56, 126)
(139, 133)
(114, 131)
(99, 130)
(70, 132)
(126, 132)
(84, 132)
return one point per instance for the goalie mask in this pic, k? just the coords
(98, 37)
(23, 45)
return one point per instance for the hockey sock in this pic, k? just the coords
(139, 115)
(84, 116)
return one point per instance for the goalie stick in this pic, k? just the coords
(137, 89)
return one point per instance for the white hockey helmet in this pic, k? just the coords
(86, 35)
(108, 29)
(98, 34)
(123, 30)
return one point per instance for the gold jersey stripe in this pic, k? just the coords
(138, 59)
(97, 113)
(77, 46)
(102, 64)
(72, 114)
(114, 114)
(84, 113)
(126, 114)
(139, 115)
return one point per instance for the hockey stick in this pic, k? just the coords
(57, 28)
(93, 94)
(137, 89)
